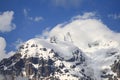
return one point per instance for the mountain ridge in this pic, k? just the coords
(42, 59)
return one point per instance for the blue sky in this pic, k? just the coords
(31, 17)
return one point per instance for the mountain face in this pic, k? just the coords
(39, 59)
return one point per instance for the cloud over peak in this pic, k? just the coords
(83, 29)
(6, 24)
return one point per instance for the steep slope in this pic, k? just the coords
(40, 59)
(104, 54)
(60, 60)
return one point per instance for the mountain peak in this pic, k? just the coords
(41, 59)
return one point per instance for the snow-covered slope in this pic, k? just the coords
(38, 58)
(42, 59)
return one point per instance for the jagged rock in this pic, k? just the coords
(116, 67)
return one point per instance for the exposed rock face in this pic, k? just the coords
(116, 68)
(32, 67)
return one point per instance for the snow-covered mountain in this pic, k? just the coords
(39, 59)
(84, 49)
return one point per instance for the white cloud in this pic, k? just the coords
(25, 11)
(35, 19)
(6, 24)
(114, 16)
(3, 53)
(66, 3)
(83, 29)
(85, 16)
(18, 43)
(44, 34)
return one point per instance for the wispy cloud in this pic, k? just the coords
(44, 34)
(25, 11)
(114, 16)
(6, 24)
(66, 3)
(35, 19)
(18, 43)
(85, 16)
(38, 19)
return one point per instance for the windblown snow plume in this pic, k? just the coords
(83, 30)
